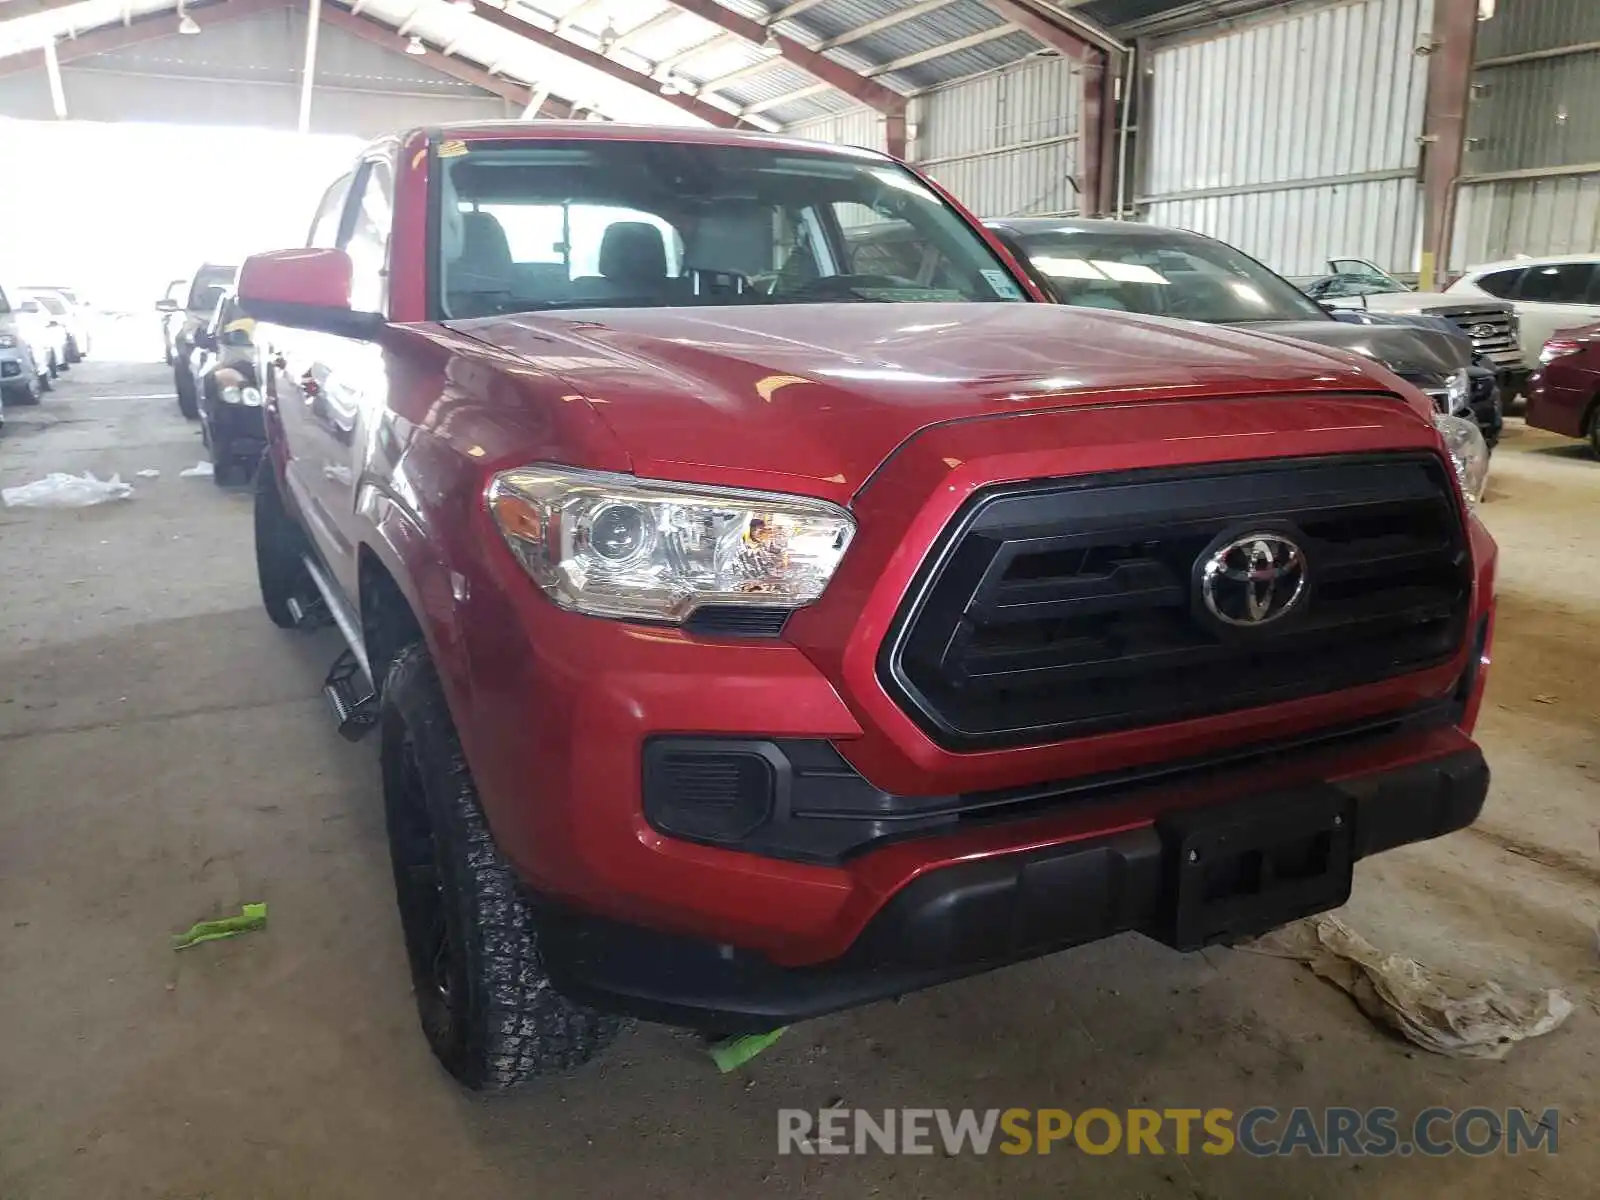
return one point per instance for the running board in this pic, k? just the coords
(341, 616)
(354, 703)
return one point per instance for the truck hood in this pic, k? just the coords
(1407, 350)
(814, 397)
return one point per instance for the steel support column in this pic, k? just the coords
(1444, 128)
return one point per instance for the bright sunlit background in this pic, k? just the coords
(117, 211)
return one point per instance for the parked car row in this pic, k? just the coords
(210, 345)
(43, 331)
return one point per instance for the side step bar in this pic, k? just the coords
(349, 688)
(350, 695)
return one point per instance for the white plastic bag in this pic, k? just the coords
(59, 490)
(201, 470)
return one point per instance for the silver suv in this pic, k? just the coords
(21, 381)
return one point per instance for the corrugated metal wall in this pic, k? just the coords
(1532, 163)
(1295, 136)
(1006, 143)
(853, 127)
(247, 72)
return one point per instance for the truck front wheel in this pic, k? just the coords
(486, 1004)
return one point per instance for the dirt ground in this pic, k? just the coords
(165, 756)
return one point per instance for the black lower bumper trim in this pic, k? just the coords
(972, 917)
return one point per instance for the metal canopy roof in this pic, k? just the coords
(761, 63)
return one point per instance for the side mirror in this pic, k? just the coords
(1327, 307)
(304, 289)
(166, 306)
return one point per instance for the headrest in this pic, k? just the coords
(633, 250)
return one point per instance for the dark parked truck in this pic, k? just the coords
(751, 633)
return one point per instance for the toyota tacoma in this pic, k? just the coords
(751, 632)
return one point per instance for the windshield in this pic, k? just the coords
(51, 303)
(1333, 287)
(1193, 278)
(208, 286)
(598, 223)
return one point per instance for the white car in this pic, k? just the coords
(1553, 293)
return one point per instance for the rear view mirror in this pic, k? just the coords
(306, 289)
(166, 306)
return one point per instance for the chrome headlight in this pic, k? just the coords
(617, 546)
(1458, 391)
(230, 395)
(7, 342)
(1468, 451)
(251, 397)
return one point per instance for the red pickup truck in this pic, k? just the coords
(752, 632)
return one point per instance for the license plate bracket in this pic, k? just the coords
(1237, 870)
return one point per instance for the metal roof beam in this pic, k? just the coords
(922, 56)
(922, 8)
(851, 83)
(379, 34)
(761, 106)
(147, 28)
(792, 10)
(582, 8)
(647, 26)
(1072, 35)
(596, 61)
(672, 61)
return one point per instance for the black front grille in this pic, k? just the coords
(1061, 608)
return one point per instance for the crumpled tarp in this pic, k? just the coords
(1448, 1016)
(60, 490)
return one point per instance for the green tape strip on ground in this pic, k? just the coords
(733, 1053)
(251, 916)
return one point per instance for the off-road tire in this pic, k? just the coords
(45, 384)
(496, 1021)
(280, 549)
(188, 398)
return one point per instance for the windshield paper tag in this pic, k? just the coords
(1002, 285)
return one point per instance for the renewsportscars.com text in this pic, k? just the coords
(1260, 1132)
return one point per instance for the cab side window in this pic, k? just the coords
(1501, 284)
(1557, 283)
(330, 213)
(367, 242)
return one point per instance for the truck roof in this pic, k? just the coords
(475, 131)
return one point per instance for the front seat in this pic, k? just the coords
(633, 262)
(483, 270)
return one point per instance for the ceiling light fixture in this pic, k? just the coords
(669, 87)
(415, 46)
(187, 25)
(608, 38)
(771, 45)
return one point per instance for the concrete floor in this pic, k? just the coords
(164, 756)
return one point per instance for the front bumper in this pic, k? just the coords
(974, 916)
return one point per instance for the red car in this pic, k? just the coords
(753, 632)
(1564, 394)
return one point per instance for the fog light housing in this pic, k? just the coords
(705, 790)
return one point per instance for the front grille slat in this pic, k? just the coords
(1067, 607)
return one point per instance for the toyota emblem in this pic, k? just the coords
(1482, 331)
(1254, 580)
